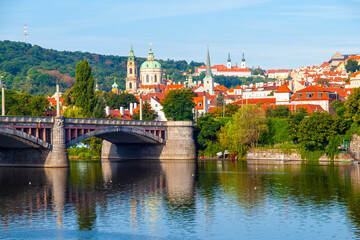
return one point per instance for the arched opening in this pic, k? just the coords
(155, 79)
(130, 85)
(130, 70)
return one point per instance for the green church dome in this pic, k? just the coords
(150, 65)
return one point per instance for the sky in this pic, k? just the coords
(272, 33)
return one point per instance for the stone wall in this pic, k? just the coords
(355, 146)
(278, 155)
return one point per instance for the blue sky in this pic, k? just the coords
(273, 33)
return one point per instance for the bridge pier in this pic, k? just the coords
(178, 145)
(58, 156)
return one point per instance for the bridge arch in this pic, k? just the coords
(12, 138)
(122, 134)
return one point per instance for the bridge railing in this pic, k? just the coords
(114, 122)
(82, 121)
(22, 119)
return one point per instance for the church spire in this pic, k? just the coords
(229, 60)
(208, 66)
(150, 55)
(243, 59)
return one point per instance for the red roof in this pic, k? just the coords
(354, 57)
(283, 89)
(313, 88)
(355, 74)
(255, 101)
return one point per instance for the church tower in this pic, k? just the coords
(243, 65)
(208, 80)
(228, 64)
(132, 82)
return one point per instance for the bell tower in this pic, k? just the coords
(132, 82)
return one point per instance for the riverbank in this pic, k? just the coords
(277, 156)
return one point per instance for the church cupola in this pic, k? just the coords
(150, 56)
(243, 64)
(228, 64)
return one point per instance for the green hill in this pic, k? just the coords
(33, 69)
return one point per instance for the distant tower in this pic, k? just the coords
(243, 65)
(228, 65)
(208, 80)
(132, 82)
(25, 33)
(115, 88)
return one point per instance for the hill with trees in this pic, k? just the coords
(34, 70)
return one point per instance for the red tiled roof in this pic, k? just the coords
(283, 89)
(355, 74)
(255, 101)
(313, 88)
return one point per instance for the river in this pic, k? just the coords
(180, 200)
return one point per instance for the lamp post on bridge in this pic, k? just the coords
(141, 103)
(57, 98)
(2, 85)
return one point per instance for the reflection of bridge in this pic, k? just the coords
(39, 141)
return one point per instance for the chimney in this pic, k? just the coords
(107, 110)
(122, 111)
(131, 109)
(135, 105)
(205, 104)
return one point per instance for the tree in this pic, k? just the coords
(99, 110)
(148, 113)
(352, 66)
(277, 112)
(208, 129)
(316, 130)
(294, 123)
(83, 89)
(249, 124)
(115, 101)
(220, 101)
(178, 105)
(352, 106)
(230, 110)
(23, 104)
(338, 107)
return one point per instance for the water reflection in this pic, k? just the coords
(182, 199)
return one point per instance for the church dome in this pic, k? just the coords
(150, 65)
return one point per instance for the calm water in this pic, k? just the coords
(152, 200)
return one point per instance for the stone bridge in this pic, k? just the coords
(42, 141)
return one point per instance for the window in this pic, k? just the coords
(130, 85)
(155, 80)
(299, 95)
(147, 78)
(320, 95)
(310, 95)
(130, 70)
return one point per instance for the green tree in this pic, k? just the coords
(178, 105)
(352, 66)
(316, 130)
(338, 107)
(249, 124)
(148, 113)
(294, 123)
(83, 89)
(99, 110)
(230, 110)
(208, 129)
(352, 106)
(277, 112)
(23, 104)
(115, 101)
(220, 101)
